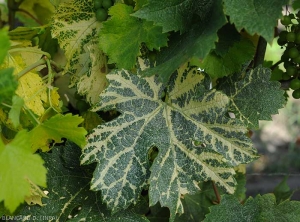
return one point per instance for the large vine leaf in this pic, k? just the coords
(58, 127)
(68, 189)
(122, 35)
(197, 42)
(260, 208)
(19, 167)
(257, 17)
(263, 97)
(196, 141)
(174, 15)
(74, 25)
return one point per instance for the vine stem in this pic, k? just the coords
(30, 50)
(31, 67)
(216, 192)
(260, 52)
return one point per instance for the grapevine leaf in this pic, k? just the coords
(264, 97)
(14, 113)
(8, 85)
(296, 4)
(4, 44)
(248, 14)
(68, 187)
(174, 15)
(197, 42)
(25, 33)
(95, 82)
(74, 25)
(219, 66)
(58, 127)
(282, 191)
(190, 114)
(18, 165)
(125, 32)
(260, 208)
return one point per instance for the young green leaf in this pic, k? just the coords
(264, 97)
(260, 208)
(14, 113)
(58, 127)
(122, 35)
(174, 15)
(189, 113)
(74, 25)
(68, 189)
(249, 14)
(18, 166)
(8, 85)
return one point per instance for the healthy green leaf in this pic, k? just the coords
(8, 85)
(74, 25)
(58, 127)
(189, 114)
(68, 190)
(4, 44)
(25, 33)
(253, 97)
(174, 15)
(18, 166)
(257, 17)
(122, 35)
(197, 42)
(261, 208)
(14, 113)
(237, 55)
(282, 191)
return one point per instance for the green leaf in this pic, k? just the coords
(58, 127)
(174, 15)
(68, 189)
(18, 166)
(8, 85)
(197, 42)
(296, 4)
(282, 191)
(219, 66)
(14, 113)
(253, 97)
(127, 33)
(25, 33)
(4, 44)
(261, 208)
(190, 113)
(257, 17)
(74, 25)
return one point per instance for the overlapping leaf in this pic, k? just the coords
(8, 85)
(58, 127)
(95, 81)
(257, 17)
(253, 97)
(4, 44)
(68, 189)
(260, 208)
(231, 62)
(174, 15)
(122, 35)
(196, 141)
(18, 166)
(197, 42)
(74, 25)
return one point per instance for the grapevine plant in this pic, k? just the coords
(140, 110)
